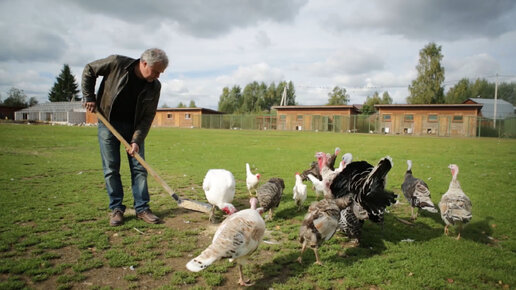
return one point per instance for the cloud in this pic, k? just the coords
(29, 43)
(260, 72)
(348, 61)
(205, 19)
(421, 19)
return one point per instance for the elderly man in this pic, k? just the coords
(128, 97)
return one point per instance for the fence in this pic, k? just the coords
(445, 126)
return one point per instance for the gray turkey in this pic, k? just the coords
(351, 221)
(416, 192)
(320, 224)
(455, 205)
(269, 194)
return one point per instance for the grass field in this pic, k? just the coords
(54, 230)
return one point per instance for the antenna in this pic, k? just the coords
(284, 97)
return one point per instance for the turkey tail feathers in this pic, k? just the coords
(200, 263)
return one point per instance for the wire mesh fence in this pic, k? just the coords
(444, 126)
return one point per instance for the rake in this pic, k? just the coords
(184, 203)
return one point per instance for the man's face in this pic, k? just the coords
(151, 73)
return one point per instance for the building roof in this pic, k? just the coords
(202, 110)
(407, 106)
(56, 107)
(323, 107)
(504, 109)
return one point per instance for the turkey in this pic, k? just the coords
(318, 185)
(332, 158)
(416, 192)
(269, 194)
(299, 191)
(236, 238)
(455, 205)
(251, 179)
(320, 224)
(219, 188)
(366, 184)
(314, 167)
(351, 222)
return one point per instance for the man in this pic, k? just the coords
(128, 97)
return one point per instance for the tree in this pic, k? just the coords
(65, 88)
(230, 100)
(181, 105)
(16, 98)
(192, 104)
(427, 88)
(338, 96)
(459, 93)
(368, 107)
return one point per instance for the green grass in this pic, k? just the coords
(54, 230)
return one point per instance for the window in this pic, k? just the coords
(170, 116)
(409, 118)
(299, 118)
(188, 116)
(432, 118)
(386, 117)
(457, 118)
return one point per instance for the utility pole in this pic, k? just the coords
(495, 101)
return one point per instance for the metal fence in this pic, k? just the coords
(445, 126)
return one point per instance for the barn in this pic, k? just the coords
(429, 119)
(336, 118)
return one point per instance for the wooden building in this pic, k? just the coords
(429, 119)
(182, 117)
(7, 112)
(321, 118)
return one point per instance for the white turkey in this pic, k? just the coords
(269, 194)
(237, 238)
(299, 191)
(320, 224)
(416, 192)
(318, 185)
(455, 205)
(219, 188)
(251, 179)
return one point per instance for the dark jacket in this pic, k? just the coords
(115, 72)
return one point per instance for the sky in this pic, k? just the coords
(362, 46)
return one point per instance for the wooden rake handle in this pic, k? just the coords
(193, 205)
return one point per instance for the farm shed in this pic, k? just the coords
(54, 112)
(504, 109)
(7, 113)
(182, 117)
(322, 118)
(429, 119)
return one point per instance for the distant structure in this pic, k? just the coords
(504, 109)
(53, 112)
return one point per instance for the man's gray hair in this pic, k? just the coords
(154, 55)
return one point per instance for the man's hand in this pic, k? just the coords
(90, 106)
(134, 149)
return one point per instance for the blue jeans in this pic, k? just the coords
(110, 153)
